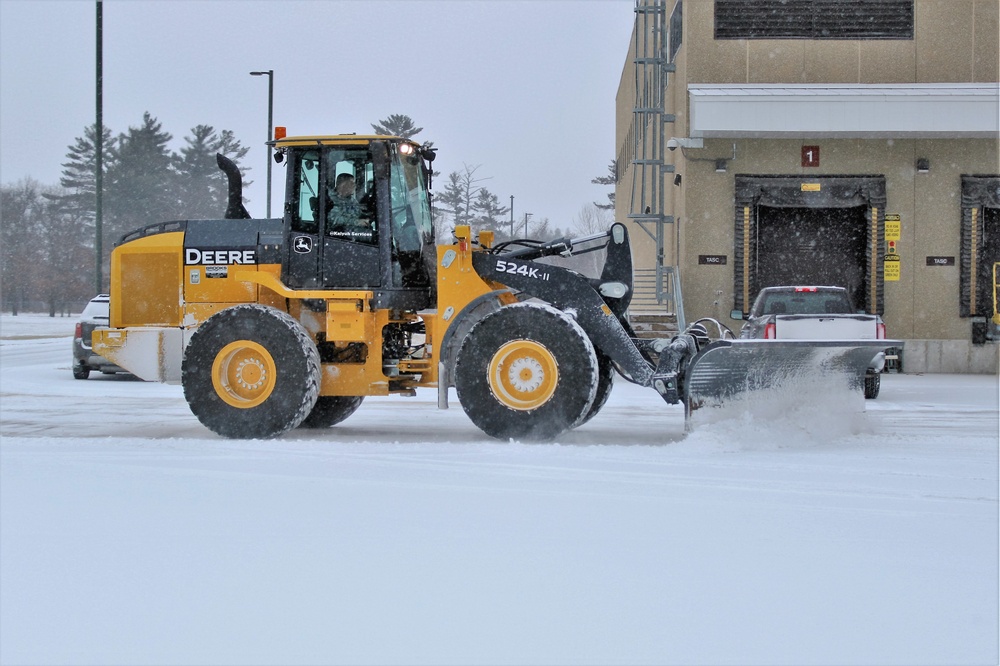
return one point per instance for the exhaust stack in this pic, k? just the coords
(234, 209)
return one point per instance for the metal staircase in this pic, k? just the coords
(657, 290)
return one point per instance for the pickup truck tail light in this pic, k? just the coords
(78, 333)
(880, 331)
(769, 332)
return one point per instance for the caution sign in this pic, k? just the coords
(890, 267)
(893, 227)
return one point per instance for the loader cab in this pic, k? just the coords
(357, 216)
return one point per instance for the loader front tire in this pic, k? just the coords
(526, 371)
(605, 382)
(331, 410)
(251, 372)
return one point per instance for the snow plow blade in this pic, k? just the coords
(734, 372)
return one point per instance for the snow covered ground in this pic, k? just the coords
(129, 534)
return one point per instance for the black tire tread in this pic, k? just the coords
(563, 336)
(605, 382)
(298, 378)
(331, 410)
(873, 383)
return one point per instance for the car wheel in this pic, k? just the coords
(872, 385)
(81, 372)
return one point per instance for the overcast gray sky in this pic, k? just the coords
(526, 89)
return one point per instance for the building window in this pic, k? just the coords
(814, 19)
(676, 29)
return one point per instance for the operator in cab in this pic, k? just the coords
(346, 217)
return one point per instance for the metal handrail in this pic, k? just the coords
(678, 299)
(996, 302)
(658, 289)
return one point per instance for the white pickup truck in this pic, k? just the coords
(814, 313)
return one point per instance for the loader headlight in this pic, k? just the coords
(613, 289)
(406, 149)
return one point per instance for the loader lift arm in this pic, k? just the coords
(599, 305)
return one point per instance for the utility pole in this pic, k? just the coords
(512, 217)
(99, 156)
(526, 216)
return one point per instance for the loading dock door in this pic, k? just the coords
(980, 244)
(812, 246)
(819, 230)
(990, 255)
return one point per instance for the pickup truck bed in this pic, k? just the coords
(814, 313)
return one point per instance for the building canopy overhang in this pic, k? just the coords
(822, 110)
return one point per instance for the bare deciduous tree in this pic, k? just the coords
(593, 218)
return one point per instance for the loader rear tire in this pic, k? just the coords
(251, 372)
(526, 371)
(331, 410)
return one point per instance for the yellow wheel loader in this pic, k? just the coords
(274, 324)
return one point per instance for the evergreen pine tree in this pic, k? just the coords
(489, 214)
(397, 125)
(141, 185)
(610, 179)
(79, 175)
(202, 186)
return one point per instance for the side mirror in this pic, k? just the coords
(736, 314)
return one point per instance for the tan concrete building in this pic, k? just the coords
(764, 142)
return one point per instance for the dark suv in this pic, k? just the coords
(95, 315)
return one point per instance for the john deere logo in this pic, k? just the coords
(303, 244)
(196, 257)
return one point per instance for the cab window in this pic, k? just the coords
(305, 207)
(411, 211)
(350, 195)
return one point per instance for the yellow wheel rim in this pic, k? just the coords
(244, 374)
(523, 375)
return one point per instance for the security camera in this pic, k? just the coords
(672, 144)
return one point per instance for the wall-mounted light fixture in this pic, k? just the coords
(677, 179)
(720, 166)
(923, 165)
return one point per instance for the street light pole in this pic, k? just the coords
(99, 155)
(270, 128)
